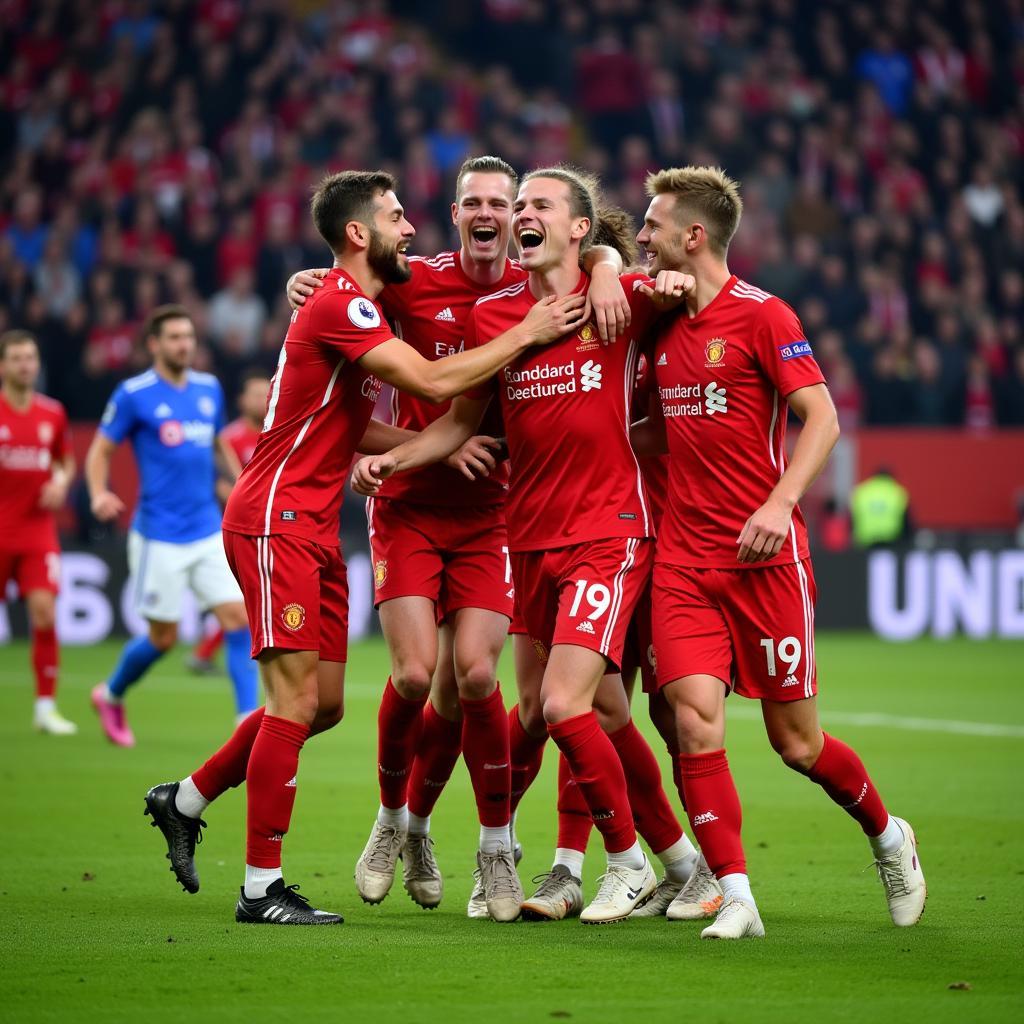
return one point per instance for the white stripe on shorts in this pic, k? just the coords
(617, 587)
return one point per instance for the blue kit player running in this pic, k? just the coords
(174, 418)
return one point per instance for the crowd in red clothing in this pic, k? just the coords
(164, 151)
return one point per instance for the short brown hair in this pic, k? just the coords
(16, 337)
(485, 165)
(707, 192)
(344, 197)
(155, 322)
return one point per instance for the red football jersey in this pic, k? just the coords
(653, 467)
(31, 441)
(320, 403)
(566, 408)
(431, 310)
(243, 438)
(723, 377)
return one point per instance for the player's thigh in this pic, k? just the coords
(290, 678)
(689, 632)
(599, 584)
(407, 559)
(770, 612)
(698, 710)
(280, 581)
(330, 709)
(479, 636)
(477, 565)
(159, 572)
(211, 580)
(409, 625)
(42, 608)
(571, 678)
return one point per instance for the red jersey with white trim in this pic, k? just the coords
(566, 408)
(243, 438)
(653, 467)
(431, 310)
(320, 403)
(723, 377)
(31, 441)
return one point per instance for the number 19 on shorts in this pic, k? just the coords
(788, 651)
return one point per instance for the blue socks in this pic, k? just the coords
(136, 657)
(242, 669)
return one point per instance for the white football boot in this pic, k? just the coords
(52, 722)
(375, 869)
(903, 880)
(622, 890)
(559, 895)
(737, 919)
(503, 892)
(420, 874)
(701, 896)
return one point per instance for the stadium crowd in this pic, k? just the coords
(165, 151)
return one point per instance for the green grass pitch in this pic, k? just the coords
(95, 929)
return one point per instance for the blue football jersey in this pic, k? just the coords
(172, 431)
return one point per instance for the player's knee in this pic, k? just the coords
(41, 615)
(531, 717)
(476, 681)
(797, 752)
(328, 714)
(612, 719)
(558, 707)
(163, 636)
(695, 733)
(412, 681)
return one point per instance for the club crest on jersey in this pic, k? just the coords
(170, 433)
(363, 313)
(588, 338)
(45, 433)
(380, 573)
(293, 616)
(714, 352)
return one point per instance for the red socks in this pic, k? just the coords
(598, 773)
(209, 645)
(485, 748)
(841, 773)
(399, 724)
(574, 821)
(439, 748)
(45, 660)
(270, 788)
(714, 810)
(525, 756)
(228, 766)
(655, 820)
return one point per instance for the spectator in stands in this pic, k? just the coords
(880, 511)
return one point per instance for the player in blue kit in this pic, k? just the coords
(174, 418)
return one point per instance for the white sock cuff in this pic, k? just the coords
(632, 858)
(681, 849)
(397, 817)
(419, 826)
(572, 860)
(188, 800)
(258, 880)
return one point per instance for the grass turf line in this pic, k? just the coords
(94, 927)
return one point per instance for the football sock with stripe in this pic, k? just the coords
(598, 773)
(399, 725)
(242, 670)
(485, 749)
(713, 806)
(136, 657)
(436, 754)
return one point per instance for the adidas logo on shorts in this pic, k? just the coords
(586, 626)
(704, 818)
(791, 680)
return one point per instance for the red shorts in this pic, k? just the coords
(752, 628)
(584, 594)
(456, 557)
(639, 649)
(295, 592)
(31, 570)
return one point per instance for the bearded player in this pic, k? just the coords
(36, 469)
(282, 521)
(579, 524)
(734, 599)
(440, 553)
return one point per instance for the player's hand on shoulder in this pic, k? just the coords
(106, 506)
(303, 283)
(477, 457)
(554, 316)
(608, 305)
(370, 472)
(765, 532)
(671, 288)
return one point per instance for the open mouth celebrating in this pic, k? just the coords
(530, 238)
(484, 235)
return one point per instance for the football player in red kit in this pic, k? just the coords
(36, 469)
(733, 586)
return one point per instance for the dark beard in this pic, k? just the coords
(384, 262)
